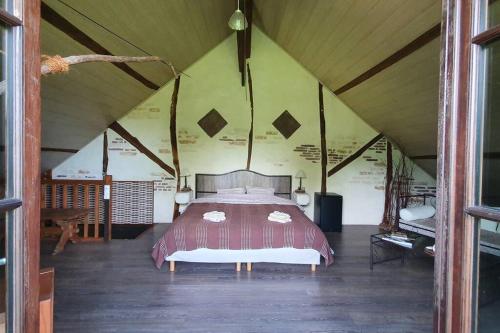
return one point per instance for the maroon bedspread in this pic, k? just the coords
(246, 227)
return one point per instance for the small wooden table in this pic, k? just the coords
(67, 219)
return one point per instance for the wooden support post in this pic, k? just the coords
(388, 204)
(75, 195)
(97, 214)
(54, 195)
(173, 139)
(105, 158)
(43, 194)
(313, 267)
(249, 266)
(172, 266)
(250, 134)
(65, 196)
(322, 128)
(85, 205)
(108, 180)
(238, 266)
(244, 38)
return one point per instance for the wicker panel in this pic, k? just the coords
(132, 202)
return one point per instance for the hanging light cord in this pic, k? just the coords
(169, 65)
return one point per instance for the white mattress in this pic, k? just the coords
(279, 255)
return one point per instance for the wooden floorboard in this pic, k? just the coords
(114, 287)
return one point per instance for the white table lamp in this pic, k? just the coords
(185, 173)
(300, 174)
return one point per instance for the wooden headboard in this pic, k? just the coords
(207, 184)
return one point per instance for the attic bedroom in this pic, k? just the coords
(250, 166)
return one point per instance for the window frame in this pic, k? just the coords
(11, 204)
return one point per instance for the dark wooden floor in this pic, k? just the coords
(114, 287)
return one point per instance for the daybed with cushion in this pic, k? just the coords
(489, 240)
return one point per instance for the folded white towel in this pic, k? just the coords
(278, 220)
(214, 213)
(279, 217)
(280, 214)
(214, 216)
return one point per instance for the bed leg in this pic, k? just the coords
(249, 266)
(313, 267)
(172, 265)
(238, 266)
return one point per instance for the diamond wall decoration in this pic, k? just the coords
(286, 124)
(212, 123)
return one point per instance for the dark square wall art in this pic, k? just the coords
(286, 124)
(212, 123)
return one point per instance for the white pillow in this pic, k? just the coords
(417, 213)
(260, 190)
(234, 190)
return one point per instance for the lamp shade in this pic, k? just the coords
(300, 174)
(185, 172)
(238, 21)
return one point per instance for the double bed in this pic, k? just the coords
(246, 236)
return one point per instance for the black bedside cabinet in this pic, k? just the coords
(328, 211)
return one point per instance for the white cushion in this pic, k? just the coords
(417, 213)
(234, 190)
(260, 190)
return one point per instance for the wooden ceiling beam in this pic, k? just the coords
(244, 38)
(354, 156)
(60, 150)
(413, 46)
(121, 131)
(54, 18)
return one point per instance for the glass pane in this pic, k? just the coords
(493, 14)
(3, 279)
(3, 88)
(491, 137)
(489, 278)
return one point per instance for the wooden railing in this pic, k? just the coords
(62, 193)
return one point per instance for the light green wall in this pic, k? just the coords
(279, 84)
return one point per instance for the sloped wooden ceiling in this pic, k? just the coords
(79, 105)
(338, 40)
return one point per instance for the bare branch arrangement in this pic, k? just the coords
(57, 64)
(399, 189)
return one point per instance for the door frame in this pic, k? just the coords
(451, 312)
(31, 167)
(459, 148)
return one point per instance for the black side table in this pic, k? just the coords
(377, 242)
(328, 211)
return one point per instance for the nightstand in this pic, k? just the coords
(301, 198)
(183, 198)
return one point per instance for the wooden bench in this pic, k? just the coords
(67, 220)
